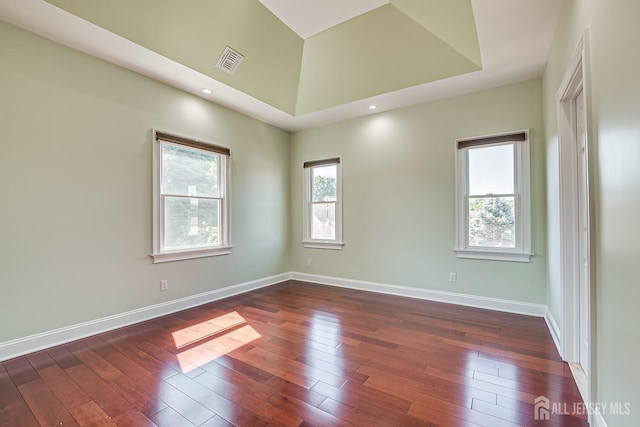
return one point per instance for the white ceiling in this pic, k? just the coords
(514, 36)
(310, 17)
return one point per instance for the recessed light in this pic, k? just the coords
(206, 90)
(372, 107)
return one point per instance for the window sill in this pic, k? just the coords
(319, 244)
(493, 255)
(190, 254)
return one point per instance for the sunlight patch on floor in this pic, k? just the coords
(204, 342)
(581, 379)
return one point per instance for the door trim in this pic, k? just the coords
(576, 79)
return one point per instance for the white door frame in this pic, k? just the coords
(575, 80)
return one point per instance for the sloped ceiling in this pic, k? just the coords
(307, 62)
(381, 51)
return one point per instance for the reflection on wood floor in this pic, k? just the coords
(298, 354)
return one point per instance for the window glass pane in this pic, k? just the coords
(190, 222)
(323, 179)
(189, 172)
(323, 221)
(491, 170)
(492, 222)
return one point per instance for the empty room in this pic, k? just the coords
(319, 213)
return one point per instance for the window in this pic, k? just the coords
(190, 199)
(492, 197)
(322, 204)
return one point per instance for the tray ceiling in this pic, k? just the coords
(310, 17)
(308, 62)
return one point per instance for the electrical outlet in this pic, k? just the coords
(453, 277)
(308, 262)
(164, 285)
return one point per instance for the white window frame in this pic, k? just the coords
(522, 202)
(160, 254)
(307, 241)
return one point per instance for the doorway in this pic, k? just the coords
(576, 262)
(583, 233)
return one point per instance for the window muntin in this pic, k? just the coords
(322, 204)
(493, 218)
(190, 199)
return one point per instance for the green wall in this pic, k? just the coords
(75, 177)
(399, 195)
(614, 109)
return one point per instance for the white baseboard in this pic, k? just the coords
(554, 330)
(29, 344)
(538, 310)
(597, 420)
(21, 346)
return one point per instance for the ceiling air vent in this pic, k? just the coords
(229, 61)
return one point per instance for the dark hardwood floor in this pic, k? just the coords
(297, 354)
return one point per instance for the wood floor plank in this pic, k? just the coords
(292, 365)
(99, 391)
(40, 360)
(126, 346)
(99, 346)
(244, 368)
(279, 370)
(367, 394)
(284, 387)
(141, 394)
(133, 418)
(525, 417)
(217, 421)
(298, 354)
(128, 367)
(183, 404)
(452, 414)
(353, 415)
(417, 388)
(63, 357)
(165, 357)
(13, 408)
(256, 402)
(236, 378)
(364, 405)
(90, 414)
(309, 413)
(66, 390)
(20, 370)
(45, 406)
(138, 386)
(169, 417)
(93, 360)
(525, 411)
(217, 404)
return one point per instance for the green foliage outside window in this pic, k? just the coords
(492, 222)
(324, 189)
